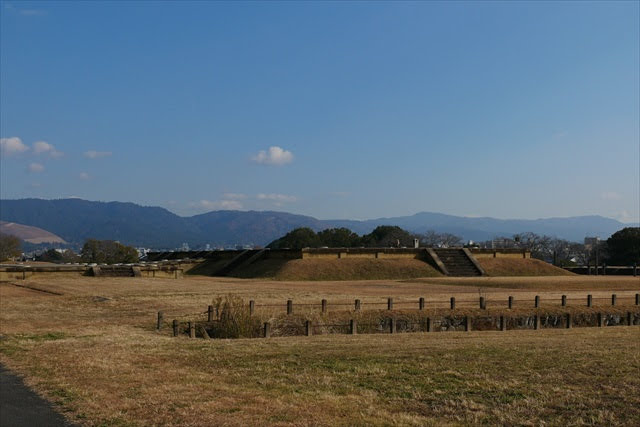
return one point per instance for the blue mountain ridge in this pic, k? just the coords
(75, 220)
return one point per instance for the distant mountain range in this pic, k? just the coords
(75, 220)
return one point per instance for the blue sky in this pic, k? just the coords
(330, 109)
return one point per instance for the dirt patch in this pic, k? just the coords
(520, 267)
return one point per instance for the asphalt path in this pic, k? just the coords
(20, 406)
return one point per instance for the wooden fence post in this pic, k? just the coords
(568, 321)
(175, 328)
(252, 307)
(614, 297)
(589, 300)
(210, 313)
(510, 303)
(392, 325)
(324, 306)
(421, 303)
(353, 327)
(537, 322)
(600, 320)
(205, 334)
(289, 306)
(637, 299)
(307, 328)
(192, 330)
(536, 301)
(564, 300)
(266, 330)
(483, 303)
(629, 318)
(429, 324)
(160, 320)
(503, 323)
(453, 303)
(389, 303)
(357, 307)
(467, 323)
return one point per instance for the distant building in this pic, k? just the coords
(591, 242)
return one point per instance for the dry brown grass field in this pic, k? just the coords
(94, 352)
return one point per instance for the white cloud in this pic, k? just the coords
(610, 195)
(42, 147)
(35, 168)
(91, 154)
(234, 196)
(275, 156)
(280, 198)
(625, 217)
(13, 145)
(84, 176)
(217, 205)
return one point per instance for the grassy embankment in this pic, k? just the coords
(372, 269)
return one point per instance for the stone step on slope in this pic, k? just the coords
(457, 262)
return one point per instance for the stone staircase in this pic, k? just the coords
(458, 262)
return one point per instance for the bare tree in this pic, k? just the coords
(440, 240)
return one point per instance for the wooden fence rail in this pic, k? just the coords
(421, 304)
(465, 323)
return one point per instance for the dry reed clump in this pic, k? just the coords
(234, 319)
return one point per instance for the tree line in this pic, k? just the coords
(622, 248)
(93, 251)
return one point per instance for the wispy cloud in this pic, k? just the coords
(280, 198)
(626, 217)
(32, 12)
(24, 12)
(216, 205)
(42, 147)
(11, 146)
(35, 168)
(274, 156)
(610, 195)
(84, 176)
(560, 135)
(92, 154)
(234, 196)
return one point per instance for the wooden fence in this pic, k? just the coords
(426, 324)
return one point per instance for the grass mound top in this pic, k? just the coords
(520, 267)
(338, 269)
